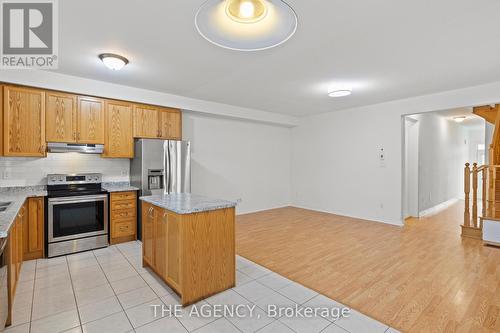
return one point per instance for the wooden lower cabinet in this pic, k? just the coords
(33, 232)
(193, 253)
(123, 217)
(14, 255)
(148, 243)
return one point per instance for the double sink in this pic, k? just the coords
(4, 205)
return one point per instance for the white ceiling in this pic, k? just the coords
(386, 50)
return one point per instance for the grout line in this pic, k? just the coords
(33, 295)
(74, 293)
(109, 282)
(158, 296)
(187, 330)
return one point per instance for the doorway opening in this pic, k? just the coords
(436, 147)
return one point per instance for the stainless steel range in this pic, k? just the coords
(77, 213)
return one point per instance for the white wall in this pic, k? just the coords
(21, 171)
(411, 167)
(443, 151)
(235, 159)
(335, 165)
(476, 136)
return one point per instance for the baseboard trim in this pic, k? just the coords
(437, 208)
(262, 210)
(397, 223)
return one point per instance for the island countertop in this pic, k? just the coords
(187, 203)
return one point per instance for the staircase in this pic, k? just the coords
(490, 186)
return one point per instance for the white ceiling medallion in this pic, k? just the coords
(246, 25)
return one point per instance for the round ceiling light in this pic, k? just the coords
(113, 61)
(339, 92)
(246, 25)
(459, 119)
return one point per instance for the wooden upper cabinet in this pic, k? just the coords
(60, 117)
(119, 141)
(146, 122)
(90, 120)
(24, 121)
(170, 124)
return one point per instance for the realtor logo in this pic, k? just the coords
(29, 34)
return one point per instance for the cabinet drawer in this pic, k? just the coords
(122, 214)
(123, 204)
(122, 196)
(123, 228)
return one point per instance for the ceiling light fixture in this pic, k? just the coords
(459, 119)
(246, 11)
(339, 92)
(246, 25)
(113, 61)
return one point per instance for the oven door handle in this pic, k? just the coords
(87, 198)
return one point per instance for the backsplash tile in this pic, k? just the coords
(22, 171)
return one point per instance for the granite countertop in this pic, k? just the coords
(17, 195)
(187, 203)
(119, 187)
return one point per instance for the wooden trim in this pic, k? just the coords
(471, 232)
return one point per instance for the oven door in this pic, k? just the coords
(77, 217)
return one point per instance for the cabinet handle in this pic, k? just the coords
(74, 135)
(78, 136)
(165, 219)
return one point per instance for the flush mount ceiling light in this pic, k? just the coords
(113, 61)
(246, 25)
(459, 119)
(339, 92)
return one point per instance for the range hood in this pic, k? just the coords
(59, 147)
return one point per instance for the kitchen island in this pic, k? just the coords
(189, 241)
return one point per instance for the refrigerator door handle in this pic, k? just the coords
(166, 166)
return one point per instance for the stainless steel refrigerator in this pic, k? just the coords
(160, 166)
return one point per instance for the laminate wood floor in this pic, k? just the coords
(422, 277)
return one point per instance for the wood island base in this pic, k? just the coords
(193, 253)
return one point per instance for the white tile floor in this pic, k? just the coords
(107, 290)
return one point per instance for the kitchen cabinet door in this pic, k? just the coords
(119, 139)
(161, 242)
(148, 217)
(60, 117)
(24, 122)
(174, 250)
(33, 232)
(90, 120)
(22, 219)
(146, 122)
(170, 124)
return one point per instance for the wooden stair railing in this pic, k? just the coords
(472, 226)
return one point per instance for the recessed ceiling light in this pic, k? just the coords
(113, 61)
(459, 119)
(339, 92)
(246, 11)
(246, 25)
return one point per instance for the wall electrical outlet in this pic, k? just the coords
(124, 173)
